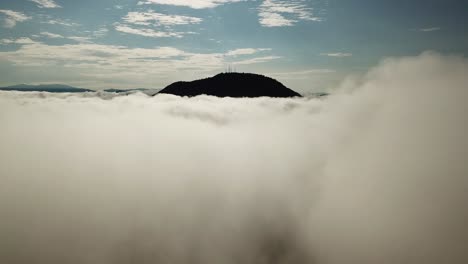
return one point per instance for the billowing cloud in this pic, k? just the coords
(375, 173)
(197, 4)
(46, 3)
(279, 13)
(12, 17)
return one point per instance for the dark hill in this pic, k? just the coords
(231, 85)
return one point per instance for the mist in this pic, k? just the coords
(375, 173)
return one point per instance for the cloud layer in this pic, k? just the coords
(376, 173)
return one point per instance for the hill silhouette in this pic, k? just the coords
(231, 85)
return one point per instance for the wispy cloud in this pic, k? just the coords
(152, 18)
(12, 17)
(22, 41)
(154, 25)
(256, 60)
(147, 32)
(248, 51)
(196, 4)
(80, 39)
(46, 3)
(337, 54)
(430, 29)
(61, 22)
(303, 74)
(281, 13)
(51, 35)
(103, 61)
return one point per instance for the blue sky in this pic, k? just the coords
(309, 45)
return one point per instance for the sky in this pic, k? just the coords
(309, 45)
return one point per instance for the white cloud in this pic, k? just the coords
(111, 63)
(12, 17)
(248, 51)
(147, 32)
(256, 60)
(61, 22)
(295, 74)
(157, 19)
(51, 35)
(281, 13)
(153, 24)
(430, 29)
(46, 3)
(22, 41)
(196, 4)
(375, 173)
(80, 39)
(337, 54)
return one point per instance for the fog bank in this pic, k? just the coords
(375, 173)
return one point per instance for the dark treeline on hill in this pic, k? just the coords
(232, 85)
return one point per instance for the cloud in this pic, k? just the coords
(337, 54)
(429, 29)
(81, 39)
(22, 41)
(196, 4)
(122, 65)
(248, 51)
(373, 174)
(61, 22)
(156, 25)
(256, 60)
(278, 13)
(157, 19)
(51, 35)
(147, 32)
(46, 3)
(295, 75)
(13, 17)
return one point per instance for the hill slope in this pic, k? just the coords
(231, 85)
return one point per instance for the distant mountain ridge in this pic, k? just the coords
(236, 85)
(52, 88)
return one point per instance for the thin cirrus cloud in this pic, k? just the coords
(280, 13)
(51, 35)
(247, 51)
(147, 32)
(46, 3)
(158, 19)
(12, 17)
(196, 4)
(430, 29)
(337, 54)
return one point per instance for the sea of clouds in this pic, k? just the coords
(375, 173)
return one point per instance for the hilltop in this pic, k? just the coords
(231, 85)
